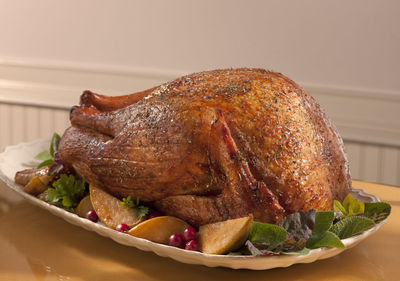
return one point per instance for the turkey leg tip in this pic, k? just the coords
(87, 98)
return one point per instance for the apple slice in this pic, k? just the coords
(109, 209)
(159, 229)
(226, 236)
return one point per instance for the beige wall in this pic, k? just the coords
(338, 43)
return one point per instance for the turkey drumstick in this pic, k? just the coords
(107, 103)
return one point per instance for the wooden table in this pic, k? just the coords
(35, 245)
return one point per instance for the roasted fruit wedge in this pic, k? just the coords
(159, 229)
(109, 209)
(38, 184)
(84, 206)
(224, 237)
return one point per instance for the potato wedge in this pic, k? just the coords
(159, 229)
(223, 237)
(84, 206)
(109, 209)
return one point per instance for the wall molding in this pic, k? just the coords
(362, 115)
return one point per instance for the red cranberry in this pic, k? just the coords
(176, 240)
(91, 215)
(123, 227)
(192, 245)
(190, 233)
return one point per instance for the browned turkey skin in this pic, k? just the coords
(211, 146)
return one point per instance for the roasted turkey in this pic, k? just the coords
(211, 146)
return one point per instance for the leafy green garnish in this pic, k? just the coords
(55, 141)
(303, 251)
(321, 236)
(351, 226)
(299, 232)
(328, 239)
(48, 156)
(44, 155)
(255, 249)
(270, 234)
(377, 211)
(349, 206)
(138, 210)
(323, 221)
(299, 224)
(66, 191)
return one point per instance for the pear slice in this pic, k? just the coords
(159, 229)
(84, 206)
(109, 210)
(37, 184)
(226, 236)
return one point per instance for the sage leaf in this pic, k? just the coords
(351, 226)
(356, 207)
(266, 233)
(377, 211)
(349, 206)
(323, 222)
(328, 239)
(337, 206)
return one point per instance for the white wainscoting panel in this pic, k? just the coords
(391, 165)
(374, 162)
(354, 155)
(20, 123)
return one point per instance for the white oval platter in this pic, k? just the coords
(19, 157)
